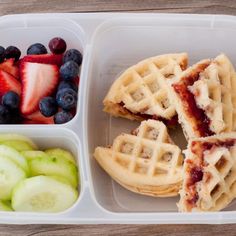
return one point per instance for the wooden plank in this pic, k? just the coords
(185, 6)
(118, 230)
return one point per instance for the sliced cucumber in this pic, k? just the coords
(61, 153)
(43, 194)
(9, 137)
(15, 156)
(29, 155)
(10, 175)
(54, 166)
(18, 145)
(5, 207)
(60, 179)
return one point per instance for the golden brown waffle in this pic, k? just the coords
(209, 173)
(141, 92)
(146, 162)
(205, 99)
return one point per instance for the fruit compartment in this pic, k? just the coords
(24, 32)
(139, 38)
(46, 138)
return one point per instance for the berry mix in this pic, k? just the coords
(41, 87)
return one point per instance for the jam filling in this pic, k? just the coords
(209, 145)
(171, 123)
(196, 173)
(189, 103)
(193, 200)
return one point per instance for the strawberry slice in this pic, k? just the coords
(8, 83)
(38, 81)
(52, 59)
(38, 118)
(9, 67)
(30, 122)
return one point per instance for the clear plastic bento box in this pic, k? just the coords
(110, 43)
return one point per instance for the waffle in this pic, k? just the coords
(141, 92)
(204, 97)
(145, 162)
(209, 173)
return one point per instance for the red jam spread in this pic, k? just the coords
(193, 200)
(195, 170)
(200, 119)
(228, 143)
(172, 122)
(196, 175)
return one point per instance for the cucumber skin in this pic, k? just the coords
(12, 136)
(59, 152)
(31, 154)
(18, 145)
(5, 206)
(54, 166)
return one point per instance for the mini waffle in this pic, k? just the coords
(209, 173)
(145, 162)
(141, 92)
(204, 97)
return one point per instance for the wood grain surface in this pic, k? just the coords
(181, 6)
(178, 6)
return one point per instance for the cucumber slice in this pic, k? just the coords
(30, 155)
(5, 207)
(8, 137)
(15, 156)
(43, 194)
(61, 179)
(18, 145)
(10, 175)
(54, 166)
(61, 153)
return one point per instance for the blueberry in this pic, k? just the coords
(67, 84)
(66, 98)
(69, 70)
(36, 49)
(2, 54)
(73, 55)
(62, 117)
(5, 115)
(11, 100)
(57, 45)
(12, 52)
(15, 116)
(48, 106)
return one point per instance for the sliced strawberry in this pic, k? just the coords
(10, 67)
(38, 81)
(52, 59)
(8, 83)
(38, 118)
(30, 122)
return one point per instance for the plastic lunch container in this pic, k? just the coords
(110, 43)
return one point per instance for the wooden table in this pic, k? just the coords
(180, 6)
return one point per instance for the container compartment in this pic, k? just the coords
(25, 31)
(51, 138)
(120, 43)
